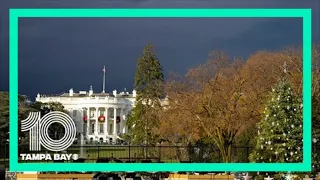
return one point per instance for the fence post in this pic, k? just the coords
(247, 153)
(0, 145)
(129, 152)
(233, 149)
(146, 151)
(5, 155)
(159, 153)
(98, 150)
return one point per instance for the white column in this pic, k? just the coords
(115, 121)
(88, 122)
(81, 146)
(121, 121)
(125, 124)
(96, 125)
(82, 135)
(106, 122)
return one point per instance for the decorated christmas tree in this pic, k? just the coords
(280, 131)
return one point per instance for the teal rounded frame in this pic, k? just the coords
(15, 14)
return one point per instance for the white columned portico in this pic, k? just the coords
(88, 123)
(96, 124)
(106, 122)
(94, 105)
(115, 121)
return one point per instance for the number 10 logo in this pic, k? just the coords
(38, 130)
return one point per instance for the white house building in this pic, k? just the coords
(98, 116)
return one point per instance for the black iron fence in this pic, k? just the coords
(129, 153)
(4, 154)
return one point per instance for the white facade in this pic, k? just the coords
(86, 107)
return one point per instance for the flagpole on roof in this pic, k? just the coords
(104, 79)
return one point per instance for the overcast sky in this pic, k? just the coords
(56, 54)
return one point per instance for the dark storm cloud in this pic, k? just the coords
(277, 37)
(57, 54)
